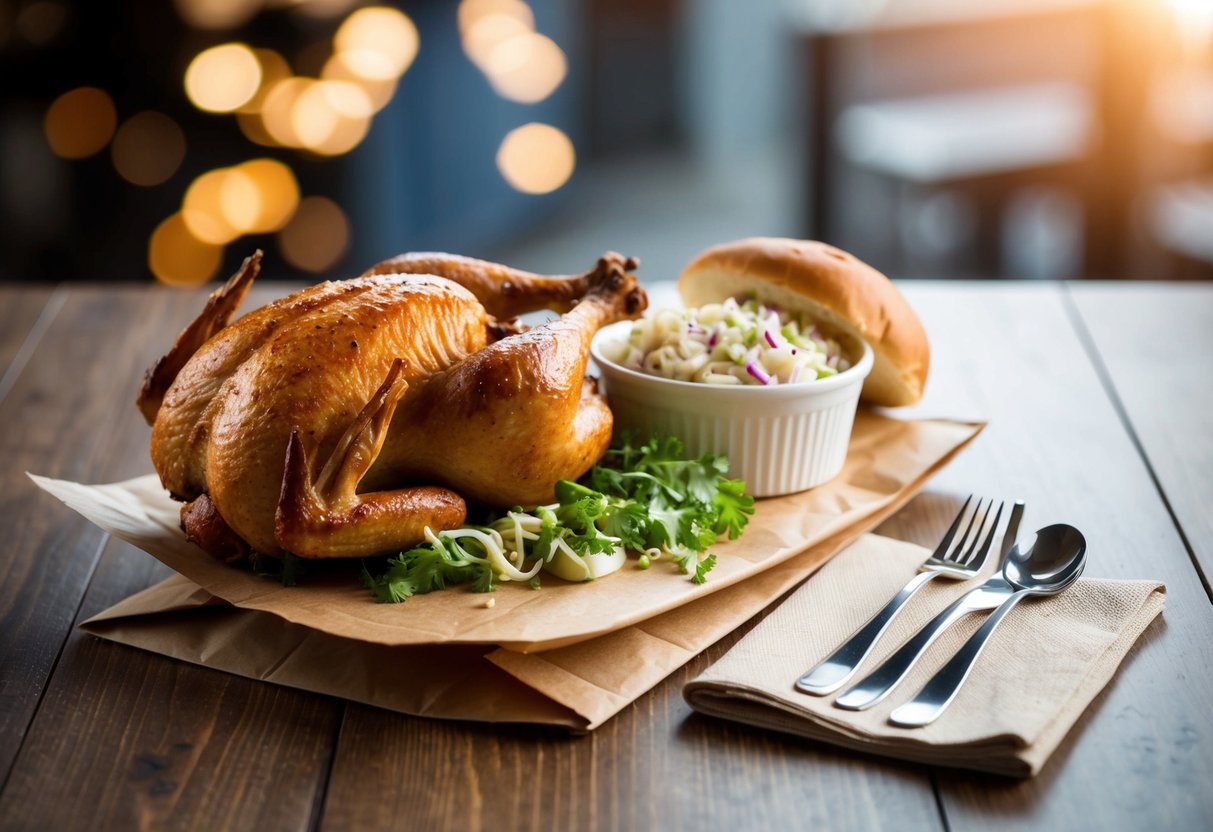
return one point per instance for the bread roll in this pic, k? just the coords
(831, 287)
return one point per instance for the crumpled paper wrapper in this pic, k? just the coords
(445, 655)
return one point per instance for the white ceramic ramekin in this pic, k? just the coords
(780, 439)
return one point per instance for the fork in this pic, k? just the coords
(961, 563)
(878, 684)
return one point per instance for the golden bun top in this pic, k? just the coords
(831, 287)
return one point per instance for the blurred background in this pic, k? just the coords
(1040, 139)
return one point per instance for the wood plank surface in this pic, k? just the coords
(1156, 344)
(24, 316)
(64, 417)
(138, 741)
(1140, 758)
(116, 738)
(656, 765)
(70, 413)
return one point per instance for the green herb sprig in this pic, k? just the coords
(645, 497)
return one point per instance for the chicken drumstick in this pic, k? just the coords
(307, 425)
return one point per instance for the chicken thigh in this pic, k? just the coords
(343, 420)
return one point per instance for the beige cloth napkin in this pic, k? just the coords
(1045, 663)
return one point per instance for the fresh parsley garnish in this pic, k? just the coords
(426, 568)
(647, 498)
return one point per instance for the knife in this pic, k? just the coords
(880, 682)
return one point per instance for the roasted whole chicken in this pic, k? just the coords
(344, 419)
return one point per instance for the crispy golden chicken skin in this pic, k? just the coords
(345, 419)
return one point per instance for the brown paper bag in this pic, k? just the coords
(888, 461)
(579, 686)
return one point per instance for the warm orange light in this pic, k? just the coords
(223, 78)
(313, 118)
(274, 68)
(148, 148)
(277, 112)
(217, 14)
(527, 67)
(331, 117)
(80, 123)
(377, 43)
(316, 236)
(178, 258)
(258, 196)
(348, 134)
(239, 200)
(347, 98)
(253, 128)
(1194, 22)
(536, 158)
(471, 11)
(378, 92)
(488, 32)
(321, 9)
(277, 193)
(203, 210)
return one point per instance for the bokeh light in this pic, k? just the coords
(223, 78)
(377, 43)
(525, 68)
(277, 193)
(80, 122)
(258, 196)
(42, 21)
(471, 11)
(148, 148)
(274, 68)
(489, 32)
(202, 209)
(178, 258)
(1194, 23)
(331, 117)
(379, 92)
(320, 9)
(536, 158)
(347, 98)
(313, 118)
(239, 200)
(253, 128)
(277, 113)
(217, 14)
(316, 236)
(346, 135)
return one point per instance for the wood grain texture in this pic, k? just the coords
(138, 741)
(654, 766)
(1140, 755)
(1156, 344)
(24, 316)
(117, 738)
(69, 414)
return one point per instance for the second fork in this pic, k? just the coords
(960, 563)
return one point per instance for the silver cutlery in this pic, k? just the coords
(1053, 563)
(961, 563)
(880, 683)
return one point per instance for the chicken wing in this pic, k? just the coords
(343, 420)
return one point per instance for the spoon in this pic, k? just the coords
(1053, 562)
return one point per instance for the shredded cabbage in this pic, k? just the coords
(729, 343)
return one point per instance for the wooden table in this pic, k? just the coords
(1099, 399)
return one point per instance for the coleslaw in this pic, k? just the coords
(733, 342)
